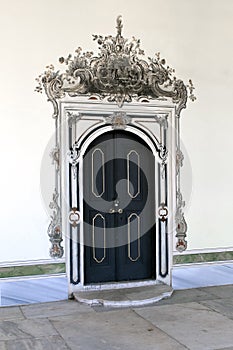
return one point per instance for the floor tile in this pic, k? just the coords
(48, 343)
(7, 313)
(57, 308)
(222, 306)
(117, 330)
(220, 291)
(192, 324)
(20, 329)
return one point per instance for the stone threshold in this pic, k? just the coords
(125, 297)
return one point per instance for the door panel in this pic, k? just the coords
(119, 209)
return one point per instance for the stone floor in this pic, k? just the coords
(195, 319)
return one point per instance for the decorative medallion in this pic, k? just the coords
(118, 120)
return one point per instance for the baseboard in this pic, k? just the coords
(32, 269)
(203, 257)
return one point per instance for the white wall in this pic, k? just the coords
(194, 36)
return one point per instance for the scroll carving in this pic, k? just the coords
(119, 73)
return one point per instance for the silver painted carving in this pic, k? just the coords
(118, 120)
(119, 73)
(162, 120)
(179, 160)
(73, 118)
(181, 225)
(54, 229)
(73, 157)
(55, 155)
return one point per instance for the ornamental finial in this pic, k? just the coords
(119, 25)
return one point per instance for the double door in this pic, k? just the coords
(119, 209)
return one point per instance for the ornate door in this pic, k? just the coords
(119, 209)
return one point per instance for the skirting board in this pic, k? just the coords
(200, 256)
(50, 267)
(32, 270)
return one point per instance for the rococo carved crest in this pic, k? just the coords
(119, 73)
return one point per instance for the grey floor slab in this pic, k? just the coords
(23, 329)
(222, 306)
(45, 343)
(193, 325)
(113, 330)
(186, 296)
(219, 291)
(58, 308)
(9, 313)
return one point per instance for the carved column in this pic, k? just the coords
(54, 229)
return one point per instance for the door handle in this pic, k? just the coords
(112, 211)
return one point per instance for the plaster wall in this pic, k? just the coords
(195, 38)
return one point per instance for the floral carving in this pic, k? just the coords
(73, 157)
(119, 73)
(179, 160)
(181, 225)
(55, 155)
(54, 229)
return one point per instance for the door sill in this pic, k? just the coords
(125, 297)
(118, 285)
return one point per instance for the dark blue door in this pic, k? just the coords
(119, 209)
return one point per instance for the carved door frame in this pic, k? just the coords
(134, 119)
